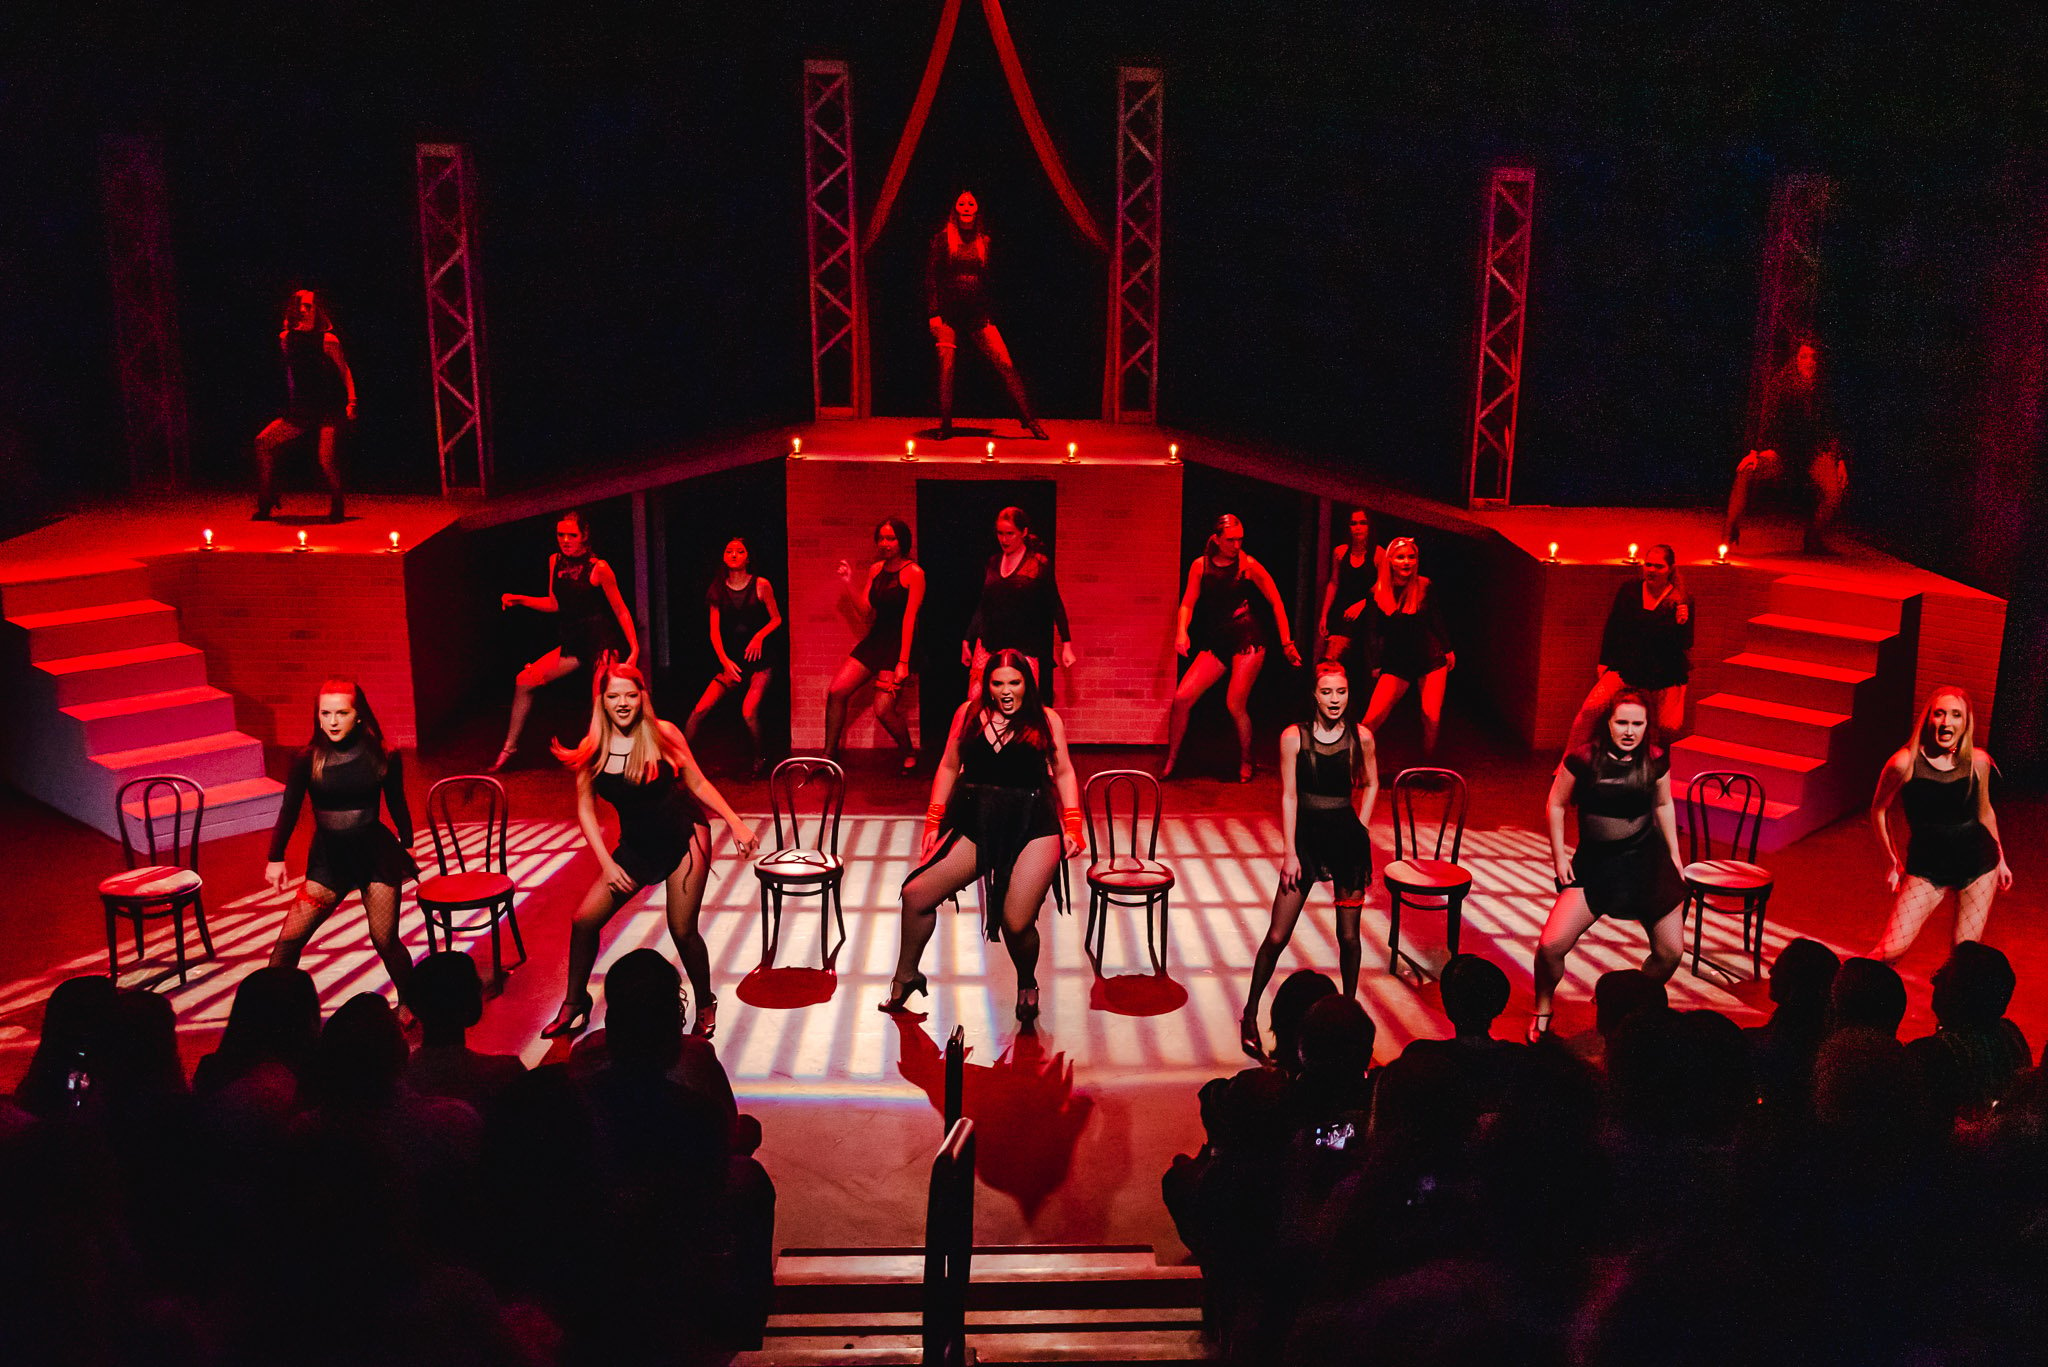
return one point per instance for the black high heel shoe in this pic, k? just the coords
(1027, 1004)
(567, 1021)
(899, 993)
(707, 1018)
(1248, 1038)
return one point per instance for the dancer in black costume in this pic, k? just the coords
(590, 617)
(746, 622)
(1217, 627)
(890, 597)
(642, 766)
(956, 302)
(1627, 861)
(992, 816)
(1413, 646)
(346, 770)
(1020, 607)
(1646, 647)
(319, 396)
(1343, 619)
(1329, 780)
(1943, 781)
(1800, 439)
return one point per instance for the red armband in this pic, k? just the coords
(1070, 818)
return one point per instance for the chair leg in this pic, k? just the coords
(1454, 917)
(141, 951)
(199, 921)
(513, 921)
(1699, 921)
(1756, 951)
(832, 891)
(1393, 930)
(1159, 959)
(113, 943)
(764, 923)
(497, 951)
(178, 937)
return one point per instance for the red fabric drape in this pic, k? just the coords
(913, 128)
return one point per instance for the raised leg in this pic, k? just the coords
(549, 668)
(1570, 918)
(1387, 690)
(852, 674)
(313, 905)
(1911, 906)
(1203, 672)
(922, 893)
(713, 693)
(380, 910)
(1432, 699)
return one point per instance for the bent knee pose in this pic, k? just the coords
(1644, 648)
(956, 304)
(1329, 779)
(1217, 628)
(1020, 607)
(319, 396)
(1626, 864)
(590, 616)
(889, 597)
(744, 621)
(346, 770)
(1413, 650)
(992, 815)
(1798, 440)
(1343, 621)
(1944, 782)
(642, 766)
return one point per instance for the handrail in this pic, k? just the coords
(949, 1248)
(956, 1075)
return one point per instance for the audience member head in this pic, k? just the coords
(1336, 1039)
(1973, 988)
(447, 995)
(1625, 993)
(644, 1012)
(138, 1057)
(361, 1054)
(1302, 989)
(1869, 995)
(1681, 1073)
(74, 1018)
(275, 1019)
(1801, 976)
(1475, 991)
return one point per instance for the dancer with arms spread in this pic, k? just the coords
(590, 616)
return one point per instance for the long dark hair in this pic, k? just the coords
(1029, 722)
(322, 320)
(1021, 520)
(1224, 521)
(322, 749)
(905, 542)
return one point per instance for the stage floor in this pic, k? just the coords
(1079, 1119)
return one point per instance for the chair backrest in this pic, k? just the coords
(1429, 807)
(1738, 799)
(166, 829)
(807, 784)
(477, 802)
(1109, 837)
(949, 1248)
(956, 1074)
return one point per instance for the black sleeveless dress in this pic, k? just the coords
(1949, 846)
(1621, 861)
(1002, 802)
(314, 393)
(583, 616)
(1222, 622)
(657, 821)
(1354, 585)
(1411, 644)
(1329, 839)
(1020, 611)
(742, 614)
(351, 847)
(883, 646)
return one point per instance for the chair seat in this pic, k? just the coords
(151, 882)
(795, 865)
(1426, 876)
(474, 888)
(1129, 873)
(1727, 875)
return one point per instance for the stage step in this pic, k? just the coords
(1783, 775)
(146, 719)
(1841, 644)
(113, 674)
(1835, 600)
(102, 627)
(65, 585)
(1769, 725)
(1800, 683)
(247, 804)
(1071, 1346)
(207, 760)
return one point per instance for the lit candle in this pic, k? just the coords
(1721, 555)
(302, 541)
(208, 534)
(910, 450)
(989, 452)
(796, 448)
(394, 543)
(1073, 449)
(1631, 552)
(1173, 453)
(1553, 551)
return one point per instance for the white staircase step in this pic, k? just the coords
(99, 628)
(1841, 644)
(1008, 1276)
(153, 718)
(206, 760)
(1802, 683)
(1783, 775)
(246, 804)
(1769, 725)
(64, 585)
(1075, 1348)
(1835, 600)
(121, 673)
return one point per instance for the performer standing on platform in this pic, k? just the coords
(346, 769)
(889, 597)
(1944, 782)
(1020, 607)
(1329, 779)
(1403, 612)
(319, 396)
(956, 301)
(991, 816)
(1343, 617)
(1216, 625)
(1644, 648)
(642, 766)
(1799, 438)
(591, 618)
(744, 621)
(1627, 861)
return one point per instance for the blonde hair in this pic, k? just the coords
(1923, 729)
(1410, 599)
(650, 742)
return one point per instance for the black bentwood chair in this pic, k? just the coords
(1732, 881)
(474, 873)
(797, 867)
(1432, 880)
(1118, 875)
(159, 827)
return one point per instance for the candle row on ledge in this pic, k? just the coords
(988, 451)
(1720, 554)
(206, 542)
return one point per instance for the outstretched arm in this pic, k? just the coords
(1263, 582)
(677, 750)
(539, 602)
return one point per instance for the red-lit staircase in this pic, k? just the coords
(104, 691)
(1812, 704)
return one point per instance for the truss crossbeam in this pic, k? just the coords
(838, 309)
(446, 181)
(1503, 310)
(1130, 382)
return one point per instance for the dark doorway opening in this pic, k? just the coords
(956, 521)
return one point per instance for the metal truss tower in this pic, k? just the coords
(1503, 308)
(462, 420)
(147, 360)
(1130, 374)
(1789, 288)
(839, 318)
